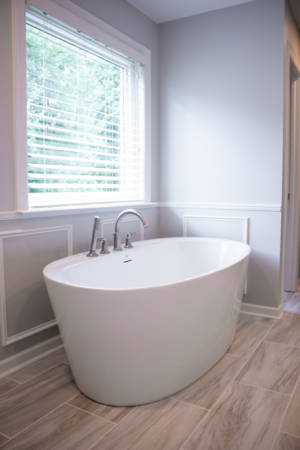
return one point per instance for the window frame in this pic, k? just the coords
(76, 17)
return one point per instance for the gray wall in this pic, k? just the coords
(125, 18)
(221, 91)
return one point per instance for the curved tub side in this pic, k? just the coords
(135, 347)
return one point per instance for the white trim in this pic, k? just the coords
(66, 11)
(19, 102)
(261, 311)
(105, 207)
(227, 206)
(5, 339)
(28, 356)
(73, 210)
(291, 175)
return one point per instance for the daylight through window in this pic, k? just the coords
(85, 118)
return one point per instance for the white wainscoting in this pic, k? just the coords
(23, 297)
(226, 227)
(259, 225)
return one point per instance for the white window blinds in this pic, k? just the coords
(85, 118)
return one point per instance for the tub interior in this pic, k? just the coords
(149, 264)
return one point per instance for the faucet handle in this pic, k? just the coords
(128, 243)
(103, 249)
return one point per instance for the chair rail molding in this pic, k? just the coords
(222, 206)
(6, 338)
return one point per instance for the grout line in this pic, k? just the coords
(11, 375)
(32, 360)
(109, 431)
(251, 353)
(12, 379)
(283, 343)
(194, 430)
(188, 403)
(103, 436)
(286, 410)
(40, 373)
(35, 422)
(290, 434)
(19, 384)
(88, 412)
(219, 399)
(264, 389)
(5, 435)
(256, 346)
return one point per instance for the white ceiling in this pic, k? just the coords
(164, 10)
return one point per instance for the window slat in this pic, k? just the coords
(85, 118)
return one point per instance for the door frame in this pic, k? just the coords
(291, 174)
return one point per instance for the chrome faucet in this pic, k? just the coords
(117, 244)
(95, 239)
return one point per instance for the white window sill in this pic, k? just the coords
(73, 210)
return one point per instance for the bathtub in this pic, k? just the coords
(141, 324)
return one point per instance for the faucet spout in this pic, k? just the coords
(117, 245)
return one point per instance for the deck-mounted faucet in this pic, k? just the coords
(117, 244)
(95, 239)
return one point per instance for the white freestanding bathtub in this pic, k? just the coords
(143, 323)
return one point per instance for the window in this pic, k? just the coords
(85, 118)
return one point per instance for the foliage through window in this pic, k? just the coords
(85, 118)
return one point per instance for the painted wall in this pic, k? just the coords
(20, 317)
(221, 91)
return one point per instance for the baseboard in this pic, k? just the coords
(25, 357)
(262, 311)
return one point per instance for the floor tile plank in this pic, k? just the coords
(273, 366)
(35, 398)
(286, 442)
(291, 423)
(6, 384)
(111, 413)
(286, 330)
(250, 331)
(245, 418)
(39, 366)
(208, 388)
(66, 428)
(163, 425)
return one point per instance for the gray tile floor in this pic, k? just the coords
(250, 400)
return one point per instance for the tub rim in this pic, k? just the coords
(142, 288)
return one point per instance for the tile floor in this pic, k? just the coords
(250, 400)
